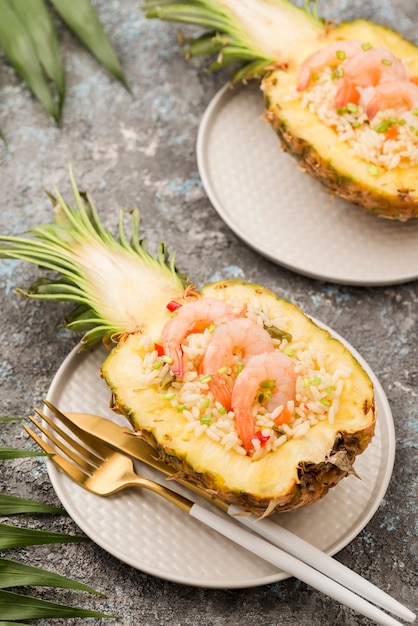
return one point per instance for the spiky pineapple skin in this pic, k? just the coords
(393, 194)
(210, 466)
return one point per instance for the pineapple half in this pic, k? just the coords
(124, 297)
(272, 39)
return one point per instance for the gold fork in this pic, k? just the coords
(95, 465)
(102, 470)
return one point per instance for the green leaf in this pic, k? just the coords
(15, 453)
(37, 21)
(81, 17)
(12, 624)
(16, 606)
(11, 419)
(11, 505)
(16, 537)
(14, 574)
(18, 48)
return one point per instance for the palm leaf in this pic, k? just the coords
(29, 42)
(16, 606)
(14, 574)
(13, 505)
(18, 47)
(82, 19)
(16, 537)
(14, 453)
(37, 21)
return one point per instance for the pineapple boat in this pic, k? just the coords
(235, 388)
(343, 99)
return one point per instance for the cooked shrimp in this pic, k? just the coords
(331, 55)
(241, 336)
(204, 312)
(367, 68)
(402, 96)
(275, 367)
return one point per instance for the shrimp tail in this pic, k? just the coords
(221, 391)
(373, 106)
(346, 93)
(245, 429)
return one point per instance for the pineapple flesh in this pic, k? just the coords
(130, 315)
(272, 39)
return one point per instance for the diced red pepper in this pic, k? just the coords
(173, 306)
(159, 348)
(414, 80)
(262, 438)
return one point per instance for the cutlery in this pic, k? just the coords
(126, 441)
(106, 471)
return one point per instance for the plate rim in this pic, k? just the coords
(226, 93)
(363, 519)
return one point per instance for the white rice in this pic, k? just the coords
(317, 396)
(354, 127)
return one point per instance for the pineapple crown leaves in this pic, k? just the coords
(232, 38)
(113, 282)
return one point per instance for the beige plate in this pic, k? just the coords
(150, 534)
(284, 214)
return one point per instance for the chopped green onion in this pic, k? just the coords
(366, 46)
(341, 55)
(352, 108)
(330, 389)
(222, 410)
(402, 122)
(315, 76)
(325, 402)
(205, 403)
(206, 419)
(289, 351)
(373, 171)
(383, 126)
(169, 396)
(306, 382)
(341, 110)
(386, 62)
(212, 328)
(356, 124)
(268, 384)
(181, 407)
(157, 365)
(205, 379)
(414, 111)
(223, 370)
(317, 380)
(339, 73)
(239, 367)
(167, 359)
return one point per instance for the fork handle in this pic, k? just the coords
(290, 564)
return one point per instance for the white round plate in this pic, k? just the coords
(284, 214)
(145, 531)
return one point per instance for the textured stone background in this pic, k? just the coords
(140, 150)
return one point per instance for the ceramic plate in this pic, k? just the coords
(284, 214)
(152, 535)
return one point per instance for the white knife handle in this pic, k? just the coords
(322, 562)
(290, 564)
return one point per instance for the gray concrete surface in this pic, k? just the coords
(140, 150)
